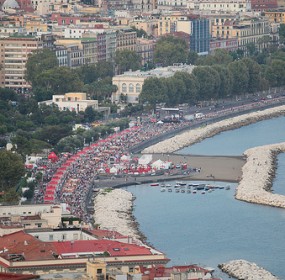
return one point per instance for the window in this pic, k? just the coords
(131, 88)
(138, 87)
(124, 88)
(99, 270)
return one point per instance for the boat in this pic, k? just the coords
(221, 187)
(200, 187)
(154, 184)
(183, 191)
(177, 190)
(169, 190)
(188, 191)
(177, 186)
(168, 186)
(194, 191)
(228, 187)
(162, 189)
(203, 192)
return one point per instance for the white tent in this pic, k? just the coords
(145, 159)
(114, 170)
(125, 158)
(158, 164)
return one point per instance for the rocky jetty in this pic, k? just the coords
(257, 175)
(113, 211)
(196, 135)
(245, 270)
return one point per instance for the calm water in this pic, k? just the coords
(235, 142)
(214, 228)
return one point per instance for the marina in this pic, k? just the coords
(188, 188)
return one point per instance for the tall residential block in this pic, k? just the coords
(15, 52)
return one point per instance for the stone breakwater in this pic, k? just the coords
(257, 175)
(113, 211)
(193, 136)
(242, 269)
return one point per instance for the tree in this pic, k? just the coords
(254, 72)
(251, 49)
(209, 82)
(38, 62)
(140, 32)
(169, 50)
(153, 91)
(275, 73)
(226, 80)
(175, 90)
(191, 85)
(58, 80)
(240, 76)
(90, 73)
(126, 60)
(282, 33)
(11, 170)
(219, 56)
(192, 57)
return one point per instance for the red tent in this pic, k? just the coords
(53, 157)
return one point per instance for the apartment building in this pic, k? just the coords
(14, 55)
(222, 6)
(145, 48)
(24, 253)
(126, 39)
(263, 5)
(251, 30)
(276, 16)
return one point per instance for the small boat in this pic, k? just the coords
(154, 184)
(221, 187)
(177, 186)
(203, 192)
(190, 185)
(183, 191)
(228, 187)
(168, 186)
(201, 187)
(169, 190)
(177, 190)
(188, 191)
(194, 191)
(162, 189)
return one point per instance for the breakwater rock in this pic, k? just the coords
(245, 270)
(113, 211)
(257, 175)
(193, 136)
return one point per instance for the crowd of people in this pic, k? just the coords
(74, 181)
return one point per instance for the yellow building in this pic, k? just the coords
(277, 16)
(247, 31)
(167, 23)
(14, 55)
(36, 25)
(126, 40)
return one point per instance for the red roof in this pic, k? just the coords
(14, 276)
(25, 245)
(114, 248)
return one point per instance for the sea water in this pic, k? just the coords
(213, 228)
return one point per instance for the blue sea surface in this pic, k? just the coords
(213, 228)
(235, 142)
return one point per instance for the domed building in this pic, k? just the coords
(10, 5)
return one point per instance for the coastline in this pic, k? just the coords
(257, 175)
(114, 211)
(255, 182)
(242, 269)
(196, 135)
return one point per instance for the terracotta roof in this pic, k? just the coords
(22, 246)
(114, 248)
(14, 276)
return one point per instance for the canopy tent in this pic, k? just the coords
(53, 157)
(145, 159)
(158, 164)
(114, 170)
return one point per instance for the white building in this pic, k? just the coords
(130, 83)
